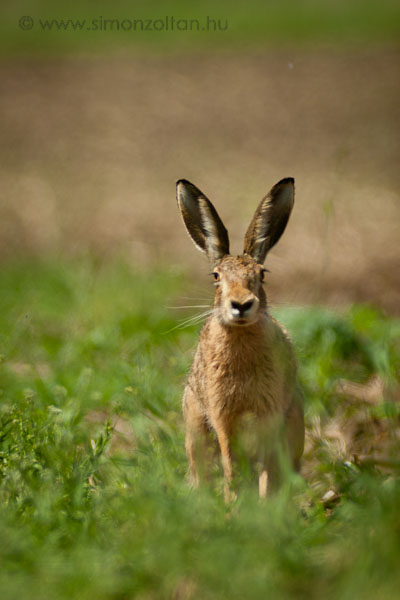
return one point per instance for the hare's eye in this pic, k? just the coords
(262, 274)
(216, 276)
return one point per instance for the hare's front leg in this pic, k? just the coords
(263, 483)
(224, 445)
(190, 445)
(197, 437)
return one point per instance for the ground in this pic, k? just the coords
(94, 496)
(91, 150)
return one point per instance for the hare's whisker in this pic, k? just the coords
(197, 298)
(190, 306)
(198, 317)
(191, 320)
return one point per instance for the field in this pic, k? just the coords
(238, 26)
(86, 169)
(97, 272)
(94, 497)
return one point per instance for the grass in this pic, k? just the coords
(254, 24)
(93, 497)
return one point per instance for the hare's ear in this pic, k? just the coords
(270, 220)
(202, 221)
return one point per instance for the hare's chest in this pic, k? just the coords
(241, 386)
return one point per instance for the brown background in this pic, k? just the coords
(91, 149)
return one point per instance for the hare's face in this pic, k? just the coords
(240, 297)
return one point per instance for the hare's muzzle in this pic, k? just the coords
(239, 308)
(243, 312)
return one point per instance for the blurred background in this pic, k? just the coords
(99, 119)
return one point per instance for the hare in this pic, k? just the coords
(243, 376)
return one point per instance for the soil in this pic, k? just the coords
(91, 149)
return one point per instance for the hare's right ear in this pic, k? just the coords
(270, 220)
(202, 221)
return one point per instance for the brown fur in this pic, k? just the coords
(244, 369)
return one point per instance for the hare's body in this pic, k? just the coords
(248, 373)
(244, 370)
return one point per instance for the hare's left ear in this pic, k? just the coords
(202, 221)
(270, 220)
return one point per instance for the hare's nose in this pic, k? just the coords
(241, 307)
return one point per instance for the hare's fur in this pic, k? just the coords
(244, 371)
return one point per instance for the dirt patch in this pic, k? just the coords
(91, 150)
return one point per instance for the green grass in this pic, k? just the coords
(242, 25)
(93, 497)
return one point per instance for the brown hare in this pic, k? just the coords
(243, 377)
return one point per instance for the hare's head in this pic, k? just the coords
(240, 297)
